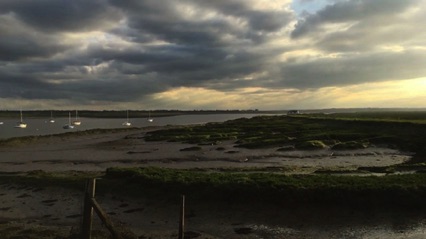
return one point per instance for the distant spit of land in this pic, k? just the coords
(164, 113)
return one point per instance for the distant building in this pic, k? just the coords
(293, 112)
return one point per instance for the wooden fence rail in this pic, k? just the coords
(91, 205)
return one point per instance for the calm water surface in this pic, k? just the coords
(41, 126)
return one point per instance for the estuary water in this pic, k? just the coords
(40, 126)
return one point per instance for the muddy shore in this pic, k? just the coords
(98, 152)
(60, 209)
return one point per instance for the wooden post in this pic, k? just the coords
(88, 209)
(182, 219)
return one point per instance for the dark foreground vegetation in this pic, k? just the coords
(320, 193)
(278, 189)
(243, 187)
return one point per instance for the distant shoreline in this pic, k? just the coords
(119, 113)
(165, 113)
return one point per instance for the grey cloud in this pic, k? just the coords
(268, 21)
(341, 12)
(368, 36)
(259, 20)
(353, 70)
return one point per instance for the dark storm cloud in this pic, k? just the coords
(61, 15)
(18, 42)
(29, 86)
(161, 20)
(18, 48)
(198, 51)
(35, 81)
(182, 65)
(110, 89)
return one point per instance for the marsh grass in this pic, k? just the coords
(391, 116)
(18, 141)
(267, 187)
(343, 131)
(42, 179)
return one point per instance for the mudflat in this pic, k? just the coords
(58, 210)
(97, 152)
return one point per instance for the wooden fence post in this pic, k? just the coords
(88, 209)
(182, 219)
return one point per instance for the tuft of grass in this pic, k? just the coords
(311, 144)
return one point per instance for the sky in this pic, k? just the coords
(212, 55)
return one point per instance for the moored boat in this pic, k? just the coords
(21, 124)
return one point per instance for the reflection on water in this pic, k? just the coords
(44, 127)
(325, 223)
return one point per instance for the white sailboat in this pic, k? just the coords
(127, 123)
(76, 122)
(52, 120)
(21, 124)
(149, 117)
(69, 125)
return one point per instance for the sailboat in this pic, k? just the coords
(69, 125)
(127, 123)
(76, 122)
(149, 117)
(51, 118)
(21, 124)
